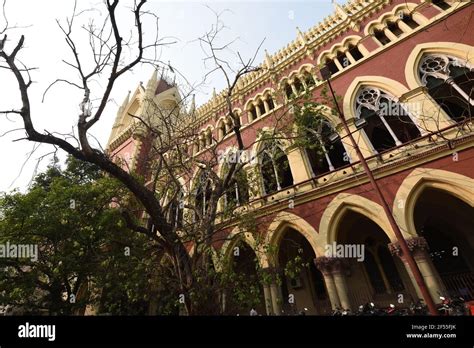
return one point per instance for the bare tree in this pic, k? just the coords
(168, 132)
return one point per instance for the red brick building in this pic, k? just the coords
(404, 72)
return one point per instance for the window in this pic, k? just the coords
(394, 28)
(288, 90)
(221, 129)
(408, 20)
(275, 168)
(380, 35)
(441, 4)
(388, 123)
(176, 210)
(450, 82)
(237, 193)
(208, 137)
(271, 104)
(203, 194)
(331, 66)
(261, 107)
(298, 85)
(355, 52)
(343, 60)
(309, 79)
(229, 124)
(253, 113)
(323, 155)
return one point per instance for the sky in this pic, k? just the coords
(248, 23)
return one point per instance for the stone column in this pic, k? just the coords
(274, 292)
(324, 265)
(339, 273)
(419, 249)
(268, 299)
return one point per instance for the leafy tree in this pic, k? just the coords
(86, 255)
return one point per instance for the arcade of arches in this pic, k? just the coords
(441, 245)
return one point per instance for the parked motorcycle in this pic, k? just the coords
(392, 310)
(339, 312)
(453, 307)
(418, 308)
(369, 309)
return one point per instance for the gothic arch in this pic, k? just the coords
(284, 220)
(393, 87)
(233, 238)
(458, 185)
(331, 52)
(381, 20)
(344, 202)
(459, 50)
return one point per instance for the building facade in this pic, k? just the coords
(404, 71)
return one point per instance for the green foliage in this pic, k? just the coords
(81, 241)
(309, 115)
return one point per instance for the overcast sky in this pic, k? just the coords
(273, 21)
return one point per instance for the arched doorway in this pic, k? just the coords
(446, 222)
(302, 284)
(245, 291)
(372, 273)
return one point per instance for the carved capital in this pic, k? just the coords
(329, 265)
(415, 244)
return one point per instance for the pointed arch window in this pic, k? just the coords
(323, 155)
(388, 123)
(298, 85)
(342, 59)
(270, 102)
(355, 52)
(203, 193)
(176, 210)
(380, 35)
(253, 113)
(331, 66)
(450, 82)
(237, 192)
(309, 79)
(288, 90)
(408, 20)
(221, 129)
(394, 28)
(275, 168)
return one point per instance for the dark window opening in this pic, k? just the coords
(355, 52)
(343, 60)
(203, 195)
(408, 20)
(177, 211)
(288, 91)
(441, 4)
(253, 112)
(275, 165)
(298, 85)
(309, 80)
(380, 35)
(271, 104)
(238, 190)
(261, 107)
(317, 154)
(331, 66)
(394, 28)
(449, 98)
(398, 120)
